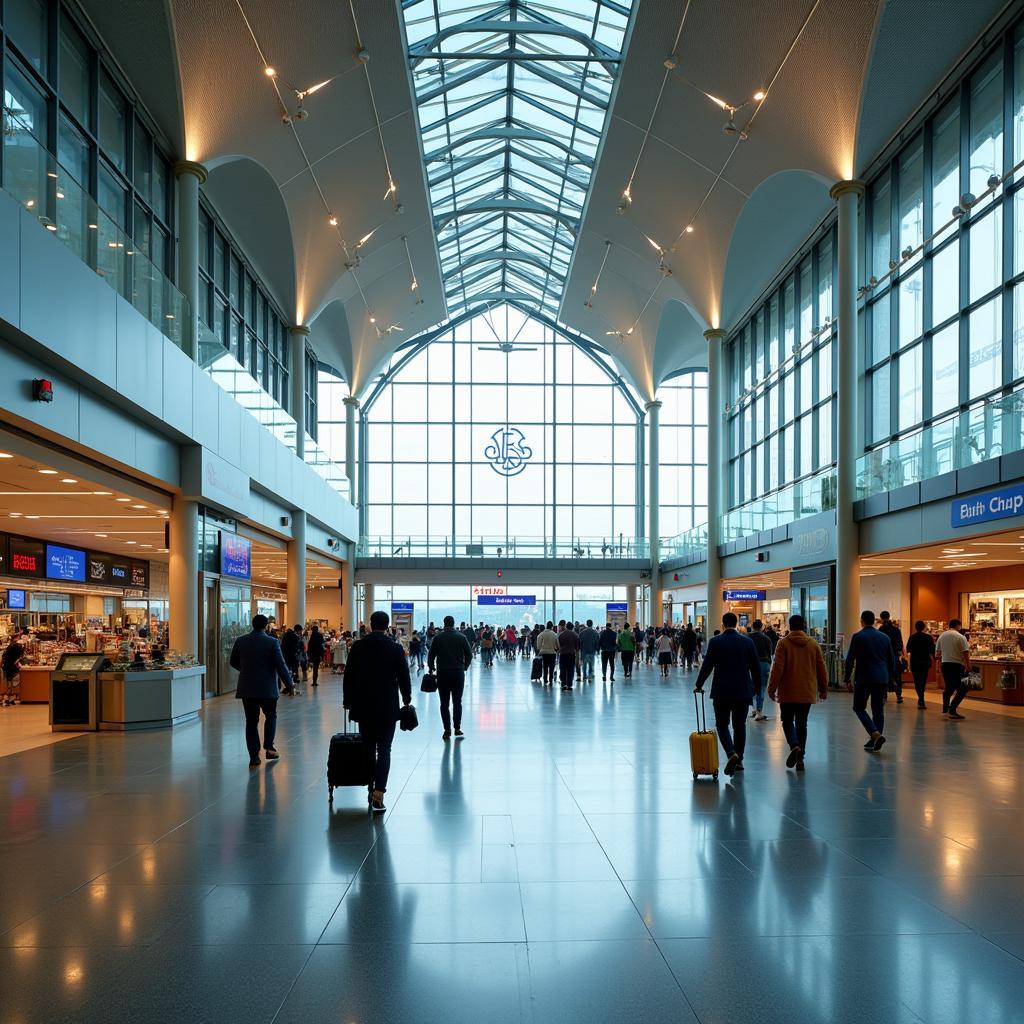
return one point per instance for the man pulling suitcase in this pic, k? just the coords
(376, 673)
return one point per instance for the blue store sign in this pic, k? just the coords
(983, 508)
(401, 606)
(517, 600)
(743, 595)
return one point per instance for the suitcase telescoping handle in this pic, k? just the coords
(700, 709)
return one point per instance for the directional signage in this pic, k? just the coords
(516, 600)
(743, 595)
(983, 508)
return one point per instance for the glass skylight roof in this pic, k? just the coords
(512, 100)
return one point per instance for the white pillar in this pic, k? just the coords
(297, 376)
(190, 176)
(653, 509)
(718, 473)
(351, 404)
(631, 603)
(297, 569)
(183, 577)
(847, 612)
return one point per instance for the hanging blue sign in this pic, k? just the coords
(507, 452)
(235, 556)
(743, 595)
(517, 600)
(983, 508)
(401, 606)
(617, 606)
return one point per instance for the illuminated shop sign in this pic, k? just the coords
(983, 508)
(743, 595)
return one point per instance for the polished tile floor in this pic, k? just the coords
(559, 865)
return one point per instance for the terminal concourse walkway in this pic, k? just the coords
(559, 865)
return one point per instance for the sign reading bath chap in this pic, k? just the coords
(983, 508)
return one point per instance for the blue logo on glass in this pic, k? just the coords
(508, 455)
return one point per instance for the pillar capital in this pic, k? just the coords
(197, 170)
(842, 188)
(299, 329)
(351, 400)
(653, 404)
(715, 334)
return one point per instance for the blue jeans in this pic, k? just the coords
(766, 668)
(876, 692)
(488, 656)
(588, 666)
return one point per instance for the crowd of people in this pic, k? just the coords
(744, 666)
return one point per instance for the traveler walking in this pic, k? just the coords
(895, 635)
(609, 642)
(315, 650)
(547, 648)
(450, 655)
(293, 650)
(798, 678)
(260, 664)
(568, 648)
(487, 646)
(733, 659)
(627, 649)
(955, 663)
(377, 674)
(590, 644)
(764, 657)
(14, 652)
(665, 654)
(921, 652)
(688, 646)
(869, 661)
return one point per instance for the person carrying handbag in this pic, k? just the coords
(449, 657)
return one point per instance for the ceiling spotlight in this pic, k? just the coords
(392, 189)
(373, 319)
(760, 95)
(994, 181)
(332, 220)
(671, 62)
(689, 229)
(363, 56)
(68, 480)
(270, 72)
(626, 201)
(730, 127)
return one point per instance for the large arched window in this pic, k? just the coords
(502, 426)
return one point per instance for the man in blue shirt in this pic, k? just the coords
(871, 663)
(733, 658)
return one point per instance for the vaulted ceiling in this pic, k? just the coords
(405, 161)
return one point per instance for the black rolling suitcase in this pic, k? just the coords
(537, 670)
(348, 762)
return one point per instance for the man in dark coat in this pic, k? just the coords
(292, 648)
(257, 657)
(870, 662)
(376, 674)
(733, 658)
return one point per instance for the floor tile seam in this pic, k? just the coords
(639, 914)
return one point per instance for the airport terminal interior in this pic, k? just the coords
(610, 413)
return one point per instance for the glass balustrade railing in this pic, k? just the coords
(47, 190)
(593, 548)
(691, 544)
(788, 505)
(238, 382)
(985, 431)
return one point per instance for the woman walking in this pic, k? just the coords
(798, 678)
(665, 655)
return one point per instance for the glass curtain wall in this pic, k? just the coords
(782, 382)
(432, 604)
(943, 349)
(501, 432)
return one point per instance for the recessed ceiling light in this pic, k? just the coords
(31, 517)
(48, 472)
(130, 542)
(122, 499)
(101, 535)
(5, 455)
(104, 494)
(15, 515)
(68, 480)
(138, 506)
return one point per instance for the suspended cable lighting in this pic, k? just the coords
(597, 280)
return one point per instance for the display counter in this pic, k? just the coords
(150, 700)
(992, 672)
(35, 683)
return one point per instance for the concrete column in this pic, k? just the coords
(631, 604)
(367, 603)
(718, 473)
(351, 611)
(351, 404)
(654, 508)
(183, 577)
(297, 378)
(847, 612)
(190, 176)
(297, 569)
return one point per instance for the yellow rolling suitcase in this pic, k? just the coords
(703, 744)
